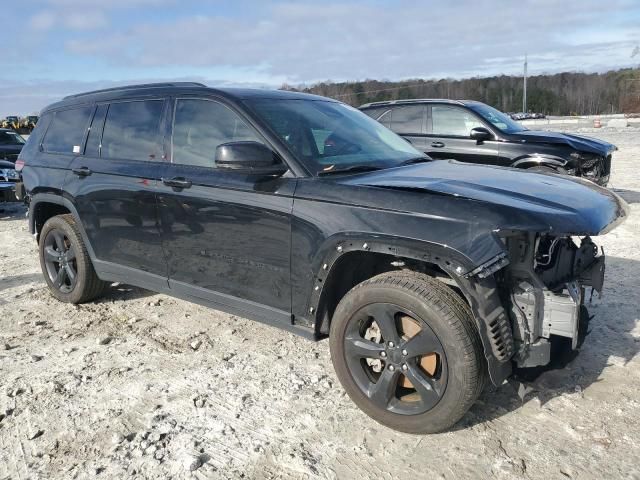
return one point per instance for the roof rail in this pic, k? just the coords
(410, 101)
(133, 87)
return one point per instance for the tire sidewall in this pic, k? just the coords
(439, 417)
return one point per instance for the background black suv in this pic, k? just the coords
(473, 132)
(302, 212)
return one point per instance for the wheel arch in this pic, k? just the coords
(43, 206)
(352, 259)
(540, 160)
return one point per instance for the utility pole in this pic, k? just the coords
(524, 91)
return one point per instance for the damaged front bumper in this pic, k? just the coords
(544, 288)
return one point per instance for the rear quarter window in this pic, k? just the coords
(67, 129)
(375, 113)
(35, 138)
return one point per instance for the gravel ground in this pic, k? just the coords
(146, 386)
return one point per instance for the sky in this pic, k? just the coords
(52, 48)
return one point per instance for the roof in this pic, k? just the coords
(417, 100)
(173, 88)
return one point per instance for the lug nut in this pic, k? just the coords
(383, 354)
(392, 368)
(404, 367)
(391, 344)
(404, 352)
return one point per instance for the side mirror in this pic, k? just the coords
(249, 158)
(480, 134)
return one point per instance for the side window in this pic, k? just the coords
(408, 119)
(95, 132)
(199, 126)
(453, 121)
(131, 131)
(67, 129)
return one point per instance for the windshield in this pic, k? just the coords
(500, 120)
(10, 138)
(328, 136)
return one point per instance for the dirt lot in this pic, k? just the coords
(145, 386)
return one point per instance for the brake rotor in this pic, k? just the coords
(409, 327)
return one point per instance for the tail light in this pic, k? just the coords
(19, 164)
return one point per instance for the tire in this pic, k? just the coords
(63, 251)
(449, 385)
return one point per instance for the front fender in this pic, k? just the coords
(481, 293)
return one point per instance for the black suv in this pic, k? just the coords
(304, 213)
(477, 133)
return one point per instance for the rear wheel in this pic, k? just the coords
(65, 262)
(406, 350)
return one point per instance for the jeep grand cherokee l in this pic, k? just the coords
(304, 213)
(477, 133)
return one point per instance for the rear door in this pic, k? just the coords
(114, 186)
(227, 235)
(448, 136)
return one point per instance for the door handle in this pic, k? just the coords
(437, 144)
(177, 182)
(81, 171)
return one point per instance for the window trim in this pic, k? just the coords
(86, 129)
(173, 106)
(458, 107)
(160, 133)
(97, 105)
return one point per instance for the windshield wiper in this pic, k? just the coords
(353, 169)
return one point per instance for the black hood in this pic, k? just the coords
(513, 199)
(577, 142)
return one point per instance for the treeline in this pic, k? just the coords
(559, 94)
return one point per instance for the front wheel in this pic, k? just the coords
(65, 262)
(407, 351)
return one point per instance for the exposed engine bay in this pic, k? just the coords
(545, 285)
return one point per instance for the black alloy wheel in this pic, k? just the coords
(396, 360)
(60, 261)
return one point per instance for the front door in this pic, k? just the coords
(448, 136)
(227, 236)
(114, 184)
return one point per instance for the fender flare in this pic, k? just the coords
(40, 198)
(490, 317)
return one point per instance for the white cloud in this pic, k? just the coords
(314, 41)
(42, 20)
